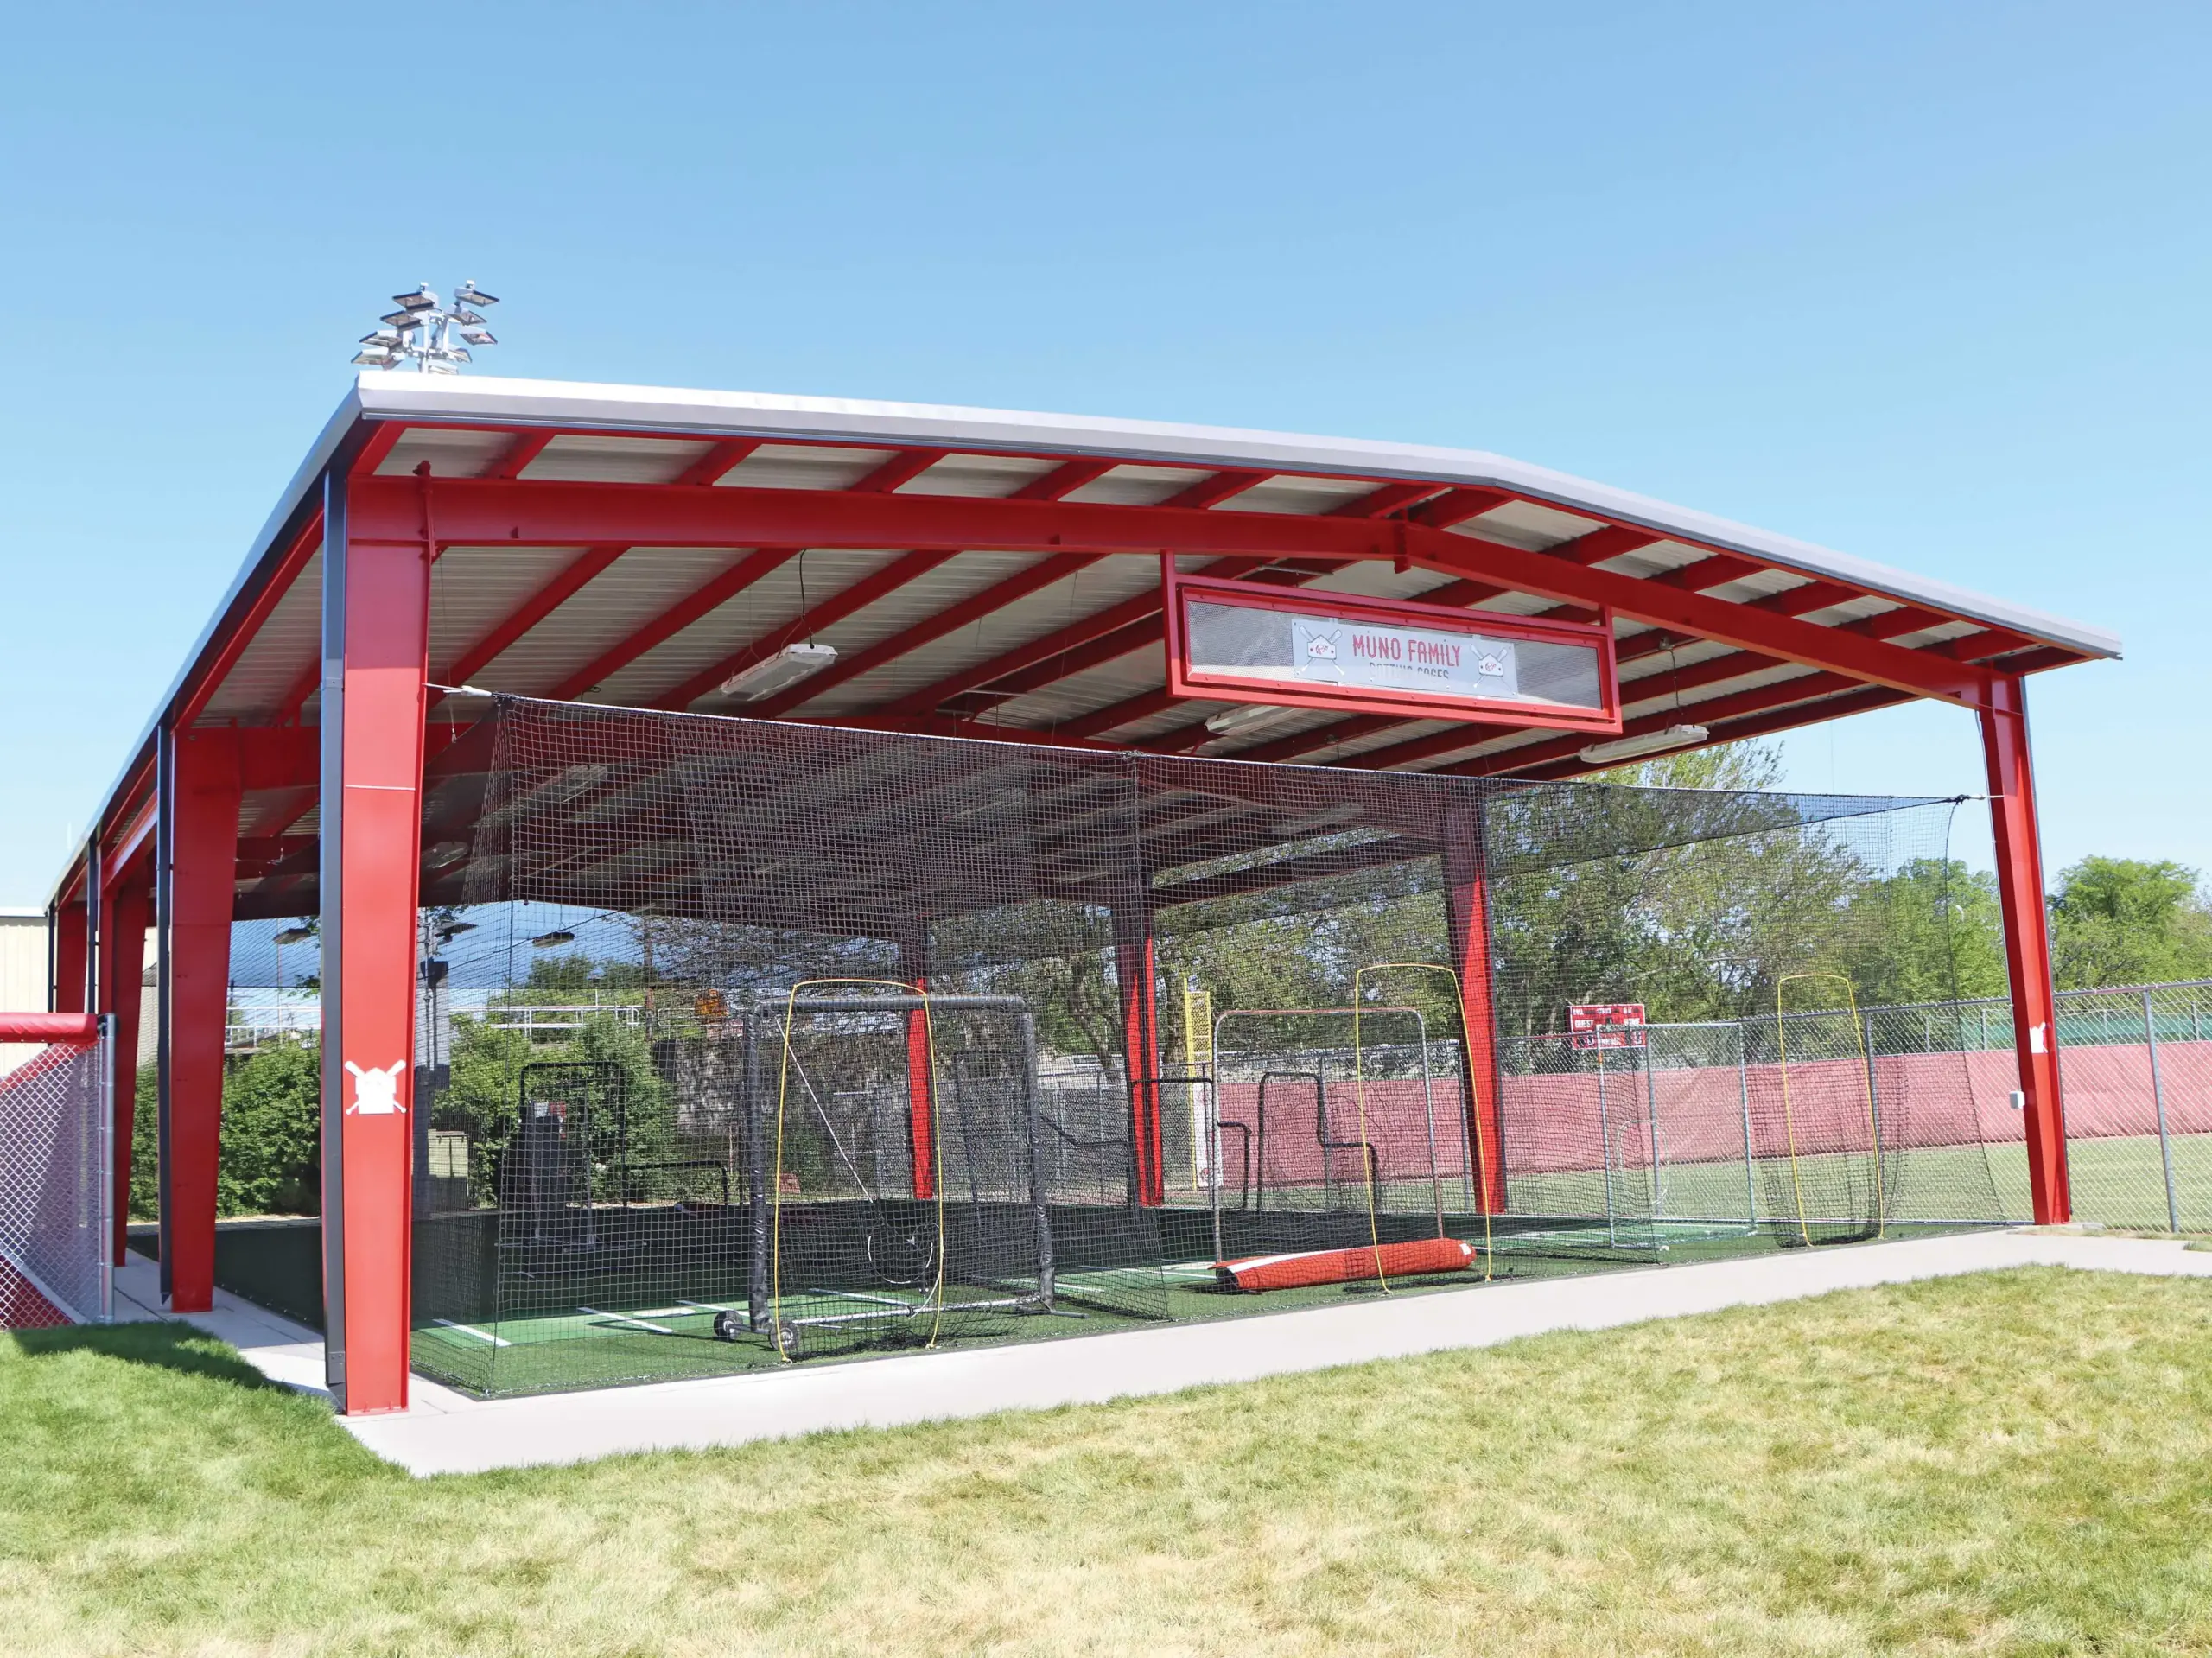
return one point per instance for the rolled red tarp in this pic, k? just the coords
(47, 1027)
(1309, 1266)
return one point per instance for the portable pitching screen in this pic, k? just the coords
(774, 1044)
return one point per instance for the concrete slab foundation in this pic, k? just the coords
(443, 1431)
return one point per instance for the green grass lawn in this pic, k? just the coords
(2009, 1464)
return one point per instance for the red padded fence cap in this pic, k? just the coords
(47, 1027)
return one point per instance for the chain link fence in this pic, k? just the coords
(2135, 1068)
(56, 1117)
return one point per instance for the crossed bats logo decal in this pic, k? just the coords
(376, 1093)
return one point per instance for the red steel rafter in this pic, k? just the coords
(906, 567)
(472, 512)
(902, 468)
(1212, 492)
(708, 597)
(571, 580)
(1041, 575)
(719, 462)
(526, 447)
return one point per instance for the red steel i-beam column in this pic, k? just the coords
(72, 956)
(1134, 970)
(123, 967)
(2027, 944)
(914, 968)
(1466, 906)
(375, 637)
(197, 868)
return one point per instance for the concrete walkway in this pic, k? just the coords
(447, 1432)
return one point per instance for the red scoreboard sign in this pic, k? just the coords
(1605, 1025)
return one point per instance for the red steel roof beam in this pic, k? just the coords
(1212, 492)
(708, 597)
(555, 514)
(1381, 503)
(719, 462)
(526, 447)
(902, 468)
(572, 578)
(996, 597)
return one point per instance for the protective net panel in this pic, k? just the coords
(749, 1044)
(53, 1149)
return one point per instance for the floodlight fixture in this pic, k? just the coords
(774, 673)
(1649, 742)
(422, 331)
(293, 935)
(558, 936)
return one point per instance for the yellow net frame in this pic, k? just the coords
(1197, 1056)
(1474, 1103)
(1865, 1077)
(935, 1301)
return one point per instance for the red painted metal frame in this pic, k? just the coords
(70, 990)
(376, 620)
(477, 512)
(2027, 947)
(205, 783)
(1466, 907)
(1184, 681)
(708, 597)
(572, 578)
(127, 907)
(921, 1084)
(907, 568)
(1135, 973)
(1041, 575)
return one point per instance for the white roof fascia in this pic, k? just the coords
(398, 394)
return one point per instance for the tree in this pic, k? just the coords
(1938, 935)
(271, 1158)
(2127, 921)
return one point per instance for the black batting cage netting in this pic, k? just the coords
(749, 1044)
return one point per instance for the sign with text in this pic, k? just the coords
(1604, 1024)
(1240, 642)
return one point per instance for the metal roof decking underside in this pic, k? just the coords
(997, 575)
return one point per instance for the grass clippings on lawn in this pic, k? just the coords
(2006, 1463)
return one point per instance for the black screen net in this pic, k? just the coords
(752, 1044)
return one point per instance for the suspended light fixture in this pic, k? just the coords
(1650, 742)
(773, 673)
(1249, 716)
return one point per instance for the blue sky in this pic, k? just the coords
(1925, 284)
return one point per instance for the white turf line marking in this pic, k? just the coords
(625, 1318)
(471, 1329)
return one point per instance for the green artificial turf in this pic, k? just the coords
(2018, 1463)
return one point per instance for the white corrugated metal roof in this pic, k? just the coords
(396, 394)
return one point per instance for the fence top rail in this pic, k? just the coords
(75, 1029)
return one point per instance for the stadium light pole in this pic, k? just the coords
(423, 331)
